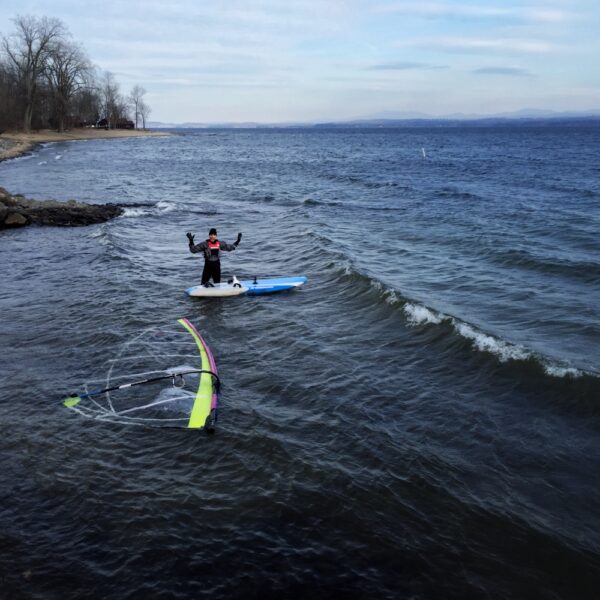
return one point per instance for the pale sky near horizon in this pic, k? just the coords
(307, 60)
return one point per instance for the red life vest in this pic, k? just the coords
(212, 250)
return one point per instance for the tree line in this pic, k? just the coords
(47, 81)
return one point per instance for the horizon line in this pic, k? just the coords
(521, 115)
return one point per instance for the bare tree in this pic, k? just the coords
(114, 105)
(9, 101)
(136, 98)
(28, 50)
(145, 111)
(87, 104)
(109, 90)
(68, 71)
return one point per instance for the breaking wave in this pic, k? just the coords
(144, 210)
(417, 314)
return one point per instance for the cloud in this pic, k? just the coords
(479, 45)
(433, 10)
(403, 66)
(503, 71)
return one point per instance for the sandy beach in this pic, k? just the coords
(14, 144)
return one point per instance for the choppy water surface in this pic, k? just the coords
(421, 420)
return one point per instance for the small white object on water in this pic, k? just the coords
(423, 151)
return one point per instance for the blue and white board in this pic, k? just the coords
(247, 286)
(269, 286)
(218, 290)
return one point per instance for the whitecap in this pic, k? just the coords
(505, 351)
(164, 206)
(160, 207)
(418, 314)
(391, 297)
(555, 370)
(377, 285)
(134, 212)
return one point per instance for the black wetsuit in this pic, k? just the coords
(212, 263)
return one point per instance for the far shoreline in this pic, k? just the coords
(21, 143)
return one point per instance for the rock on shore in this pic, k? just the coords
(18, 211)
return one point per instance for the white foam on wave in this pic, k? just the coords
(558, 371)
(377, 285)
(392, 298)
(161, 207)
(505, 351)
(418, 314)
(347, 268)
(165, 206)
(135, 212)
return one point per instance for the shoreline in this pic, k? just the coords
(17, 211)
(14, 144)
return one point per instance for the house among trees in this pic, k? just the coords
(120, 123)
(124, 124)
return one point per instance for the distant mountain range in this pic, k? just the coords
(524, 113)
(226, 125)
(412, 119)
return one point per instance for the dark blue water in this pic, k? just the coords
(421, 420)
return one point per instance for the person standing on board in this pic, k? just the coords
(211, 248)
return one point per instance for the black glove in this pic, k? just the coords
(190, 237)
(239, 239)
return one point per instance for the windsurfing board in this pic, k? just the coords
(217, 290)
(253, 287)
(269, 286)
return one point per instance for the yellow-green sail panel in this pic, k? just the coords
(206, 397)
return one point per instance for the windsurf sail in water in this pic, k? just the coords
(184, 396)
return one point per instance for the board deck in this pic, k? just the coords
(269, 286)
(253, 287)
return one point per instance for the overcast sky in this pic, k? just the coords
(306, 60)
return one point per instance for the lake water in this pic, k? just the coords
(420, 420)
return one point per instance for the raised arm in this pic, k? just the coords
(194, 248)
(229, 247)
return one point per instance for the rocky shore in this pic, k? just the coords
(18, 211)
